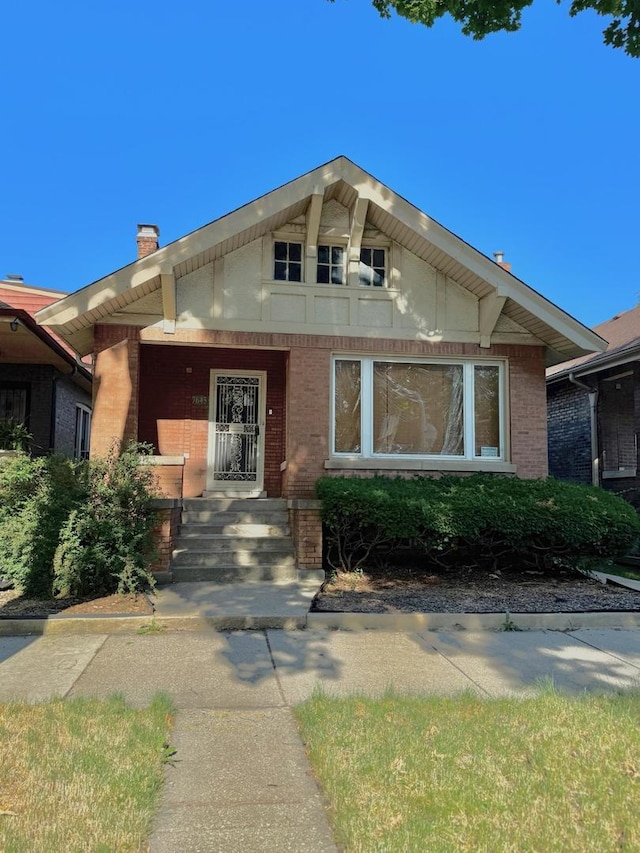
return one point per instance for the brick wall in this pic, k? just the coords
(172, 378)
(39, 378)
(115, 386)
(173, 422)
(174, 405)
(569, 425)
(68, 395)
(528, 409)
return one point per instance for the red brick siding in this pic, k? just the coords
(115, 387)
(306, 532)
(170, 378)
(528, 409)
(168, 390)
(165, 533)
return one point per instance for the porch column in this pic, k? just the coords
(115, 387)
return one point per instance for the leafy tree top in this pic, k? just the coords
(481, 17)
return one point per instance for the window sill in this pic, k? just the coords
(161, 460)
(613, 475)
(469, 465)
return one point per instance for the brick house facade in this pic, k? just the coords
(594, 411)
(327, 328)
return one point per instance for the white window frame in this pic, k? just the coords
(332, 244)
(289, 240)
(82, 413)
(387, 264)
(366, 408)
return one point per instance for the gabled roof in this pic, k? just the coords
(623, 335)
(341, 179)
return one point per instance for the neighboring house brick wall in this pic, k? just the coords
(68, 395)
(569, 433)
(40, 379)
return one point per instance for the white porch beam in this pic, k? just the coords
(314, 212)
(358, 219)
(168, 284)
(489, 309)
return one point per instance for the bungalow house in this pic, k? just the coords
(594, 410)
(328, 327)
(43, 386)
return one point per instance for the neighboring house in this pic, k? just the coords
(42, 384)
(329, 327)
(594, 410)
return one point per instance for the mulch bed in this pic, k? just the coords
(13, 605)
(470, 591)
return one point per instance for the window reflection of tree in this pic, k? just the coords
(418, 408)
(347, 407)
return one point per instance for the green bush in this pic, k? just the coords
(76, 529)
(36, 497)
(14, 436)
(107, 545)
(481, 520)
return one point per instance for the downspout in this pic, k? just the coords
(593, 403)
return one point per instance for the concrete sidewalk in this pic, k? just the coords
(241, 781)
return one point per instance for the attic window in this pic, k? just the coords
(372, 267)
(331, 264)
(287, 264)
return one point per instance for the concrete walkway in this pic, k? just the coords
(241, 780)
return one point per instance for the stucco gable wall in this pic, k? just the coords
(237, 292)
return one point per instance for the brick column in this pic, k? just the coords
(306, 532)
(115, 387)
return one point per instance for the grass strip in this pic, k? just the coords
(81, 774)
(549, 773)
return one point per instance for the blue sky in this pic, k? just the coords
(176, 113)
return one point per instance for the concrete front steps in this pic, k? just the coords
(234, 540)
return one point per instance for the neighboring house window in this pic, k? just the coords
(287, 264)
(390, 407)
(14, 402)
(83, 432)
(373, 267)
(617, 426)
(331, 266)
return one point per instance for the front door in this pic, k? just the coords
(236, 433)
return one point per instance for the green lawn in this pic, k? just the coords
(623, 572)
(467, 774)
(81, 775)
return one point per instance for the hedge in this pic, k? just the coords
(480, 520)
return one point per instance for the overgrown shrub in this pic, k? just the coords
(36, 497)
(481, 520)
(76, 529)
(107, 545)
(14, 436)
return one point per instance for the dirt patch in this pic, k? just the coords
(412, 590)
(14, 605)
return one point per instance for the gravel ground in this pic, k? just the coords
(475, 593)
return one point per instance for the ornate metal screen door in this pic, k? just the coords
(236, 437)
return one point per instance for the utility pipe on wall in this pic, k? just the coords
(593, 403)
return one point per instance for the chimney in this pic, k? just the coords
(499, 256)
(147, 239)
